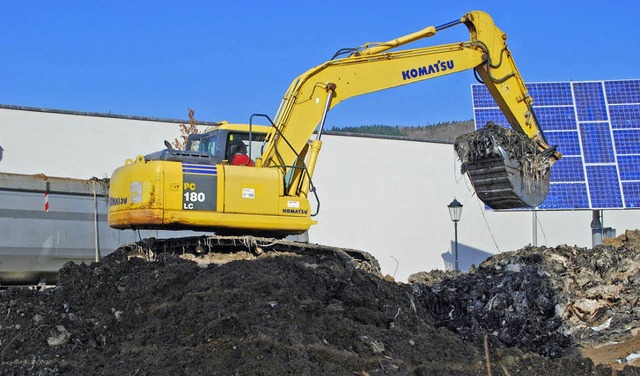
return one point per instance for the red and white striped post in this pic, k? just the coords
(46, 198)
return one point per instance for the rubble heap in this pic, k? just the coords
(289, 314)
(551, 301)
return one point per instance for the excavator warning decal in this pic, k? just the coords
(248, 193)
(199, 187)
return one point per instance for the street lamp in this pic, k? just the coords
(455, 211)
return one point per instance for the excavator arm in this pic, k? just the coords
(374, 68)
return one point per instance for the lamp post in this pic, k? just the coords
(455, 211)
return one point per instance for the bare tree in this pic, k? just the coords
(186, 130)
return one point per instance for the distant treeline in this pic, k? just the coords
(444, 131)
(386, 130)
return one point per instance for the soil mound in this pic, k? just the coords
(519, 313)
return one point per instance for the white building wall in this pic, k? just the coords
(388, 197)
(68, 145)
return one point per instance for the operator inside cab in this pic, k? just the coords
(239, 152)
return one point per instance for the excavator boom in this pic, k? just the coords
(498, 177)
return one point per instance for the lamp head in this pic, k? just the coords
(455, 210)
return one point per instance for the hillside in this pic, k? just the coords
(446, 131)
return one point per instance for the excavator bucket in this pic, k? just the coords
(507, 169)
(501, 183)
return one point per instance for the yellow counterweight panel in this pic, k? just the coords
(136, 195)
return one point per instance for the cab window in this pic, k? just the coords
(205, 144)
(254, 147)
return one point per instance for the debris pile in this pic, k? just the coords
(520, 313)
(551, 301)
(511, 299)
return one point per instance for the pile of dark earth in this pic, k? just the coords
(528, 312)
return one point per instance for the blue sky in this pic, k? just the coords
(228, 60)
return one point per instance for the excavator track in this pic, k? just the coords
(206, 250)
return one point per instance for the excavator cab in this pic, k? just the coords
(218, 142)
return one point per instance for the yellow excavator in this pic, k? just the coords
(200, 189)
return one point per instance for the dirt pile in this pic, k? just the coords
(291, 314)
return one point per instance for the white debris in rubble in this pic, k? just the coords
(117, 314)
(604, 325)
(310, 266)
(516, 268)
(630, 357)
(61, 336)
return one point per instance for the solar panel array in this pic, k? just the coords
(596, 126)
